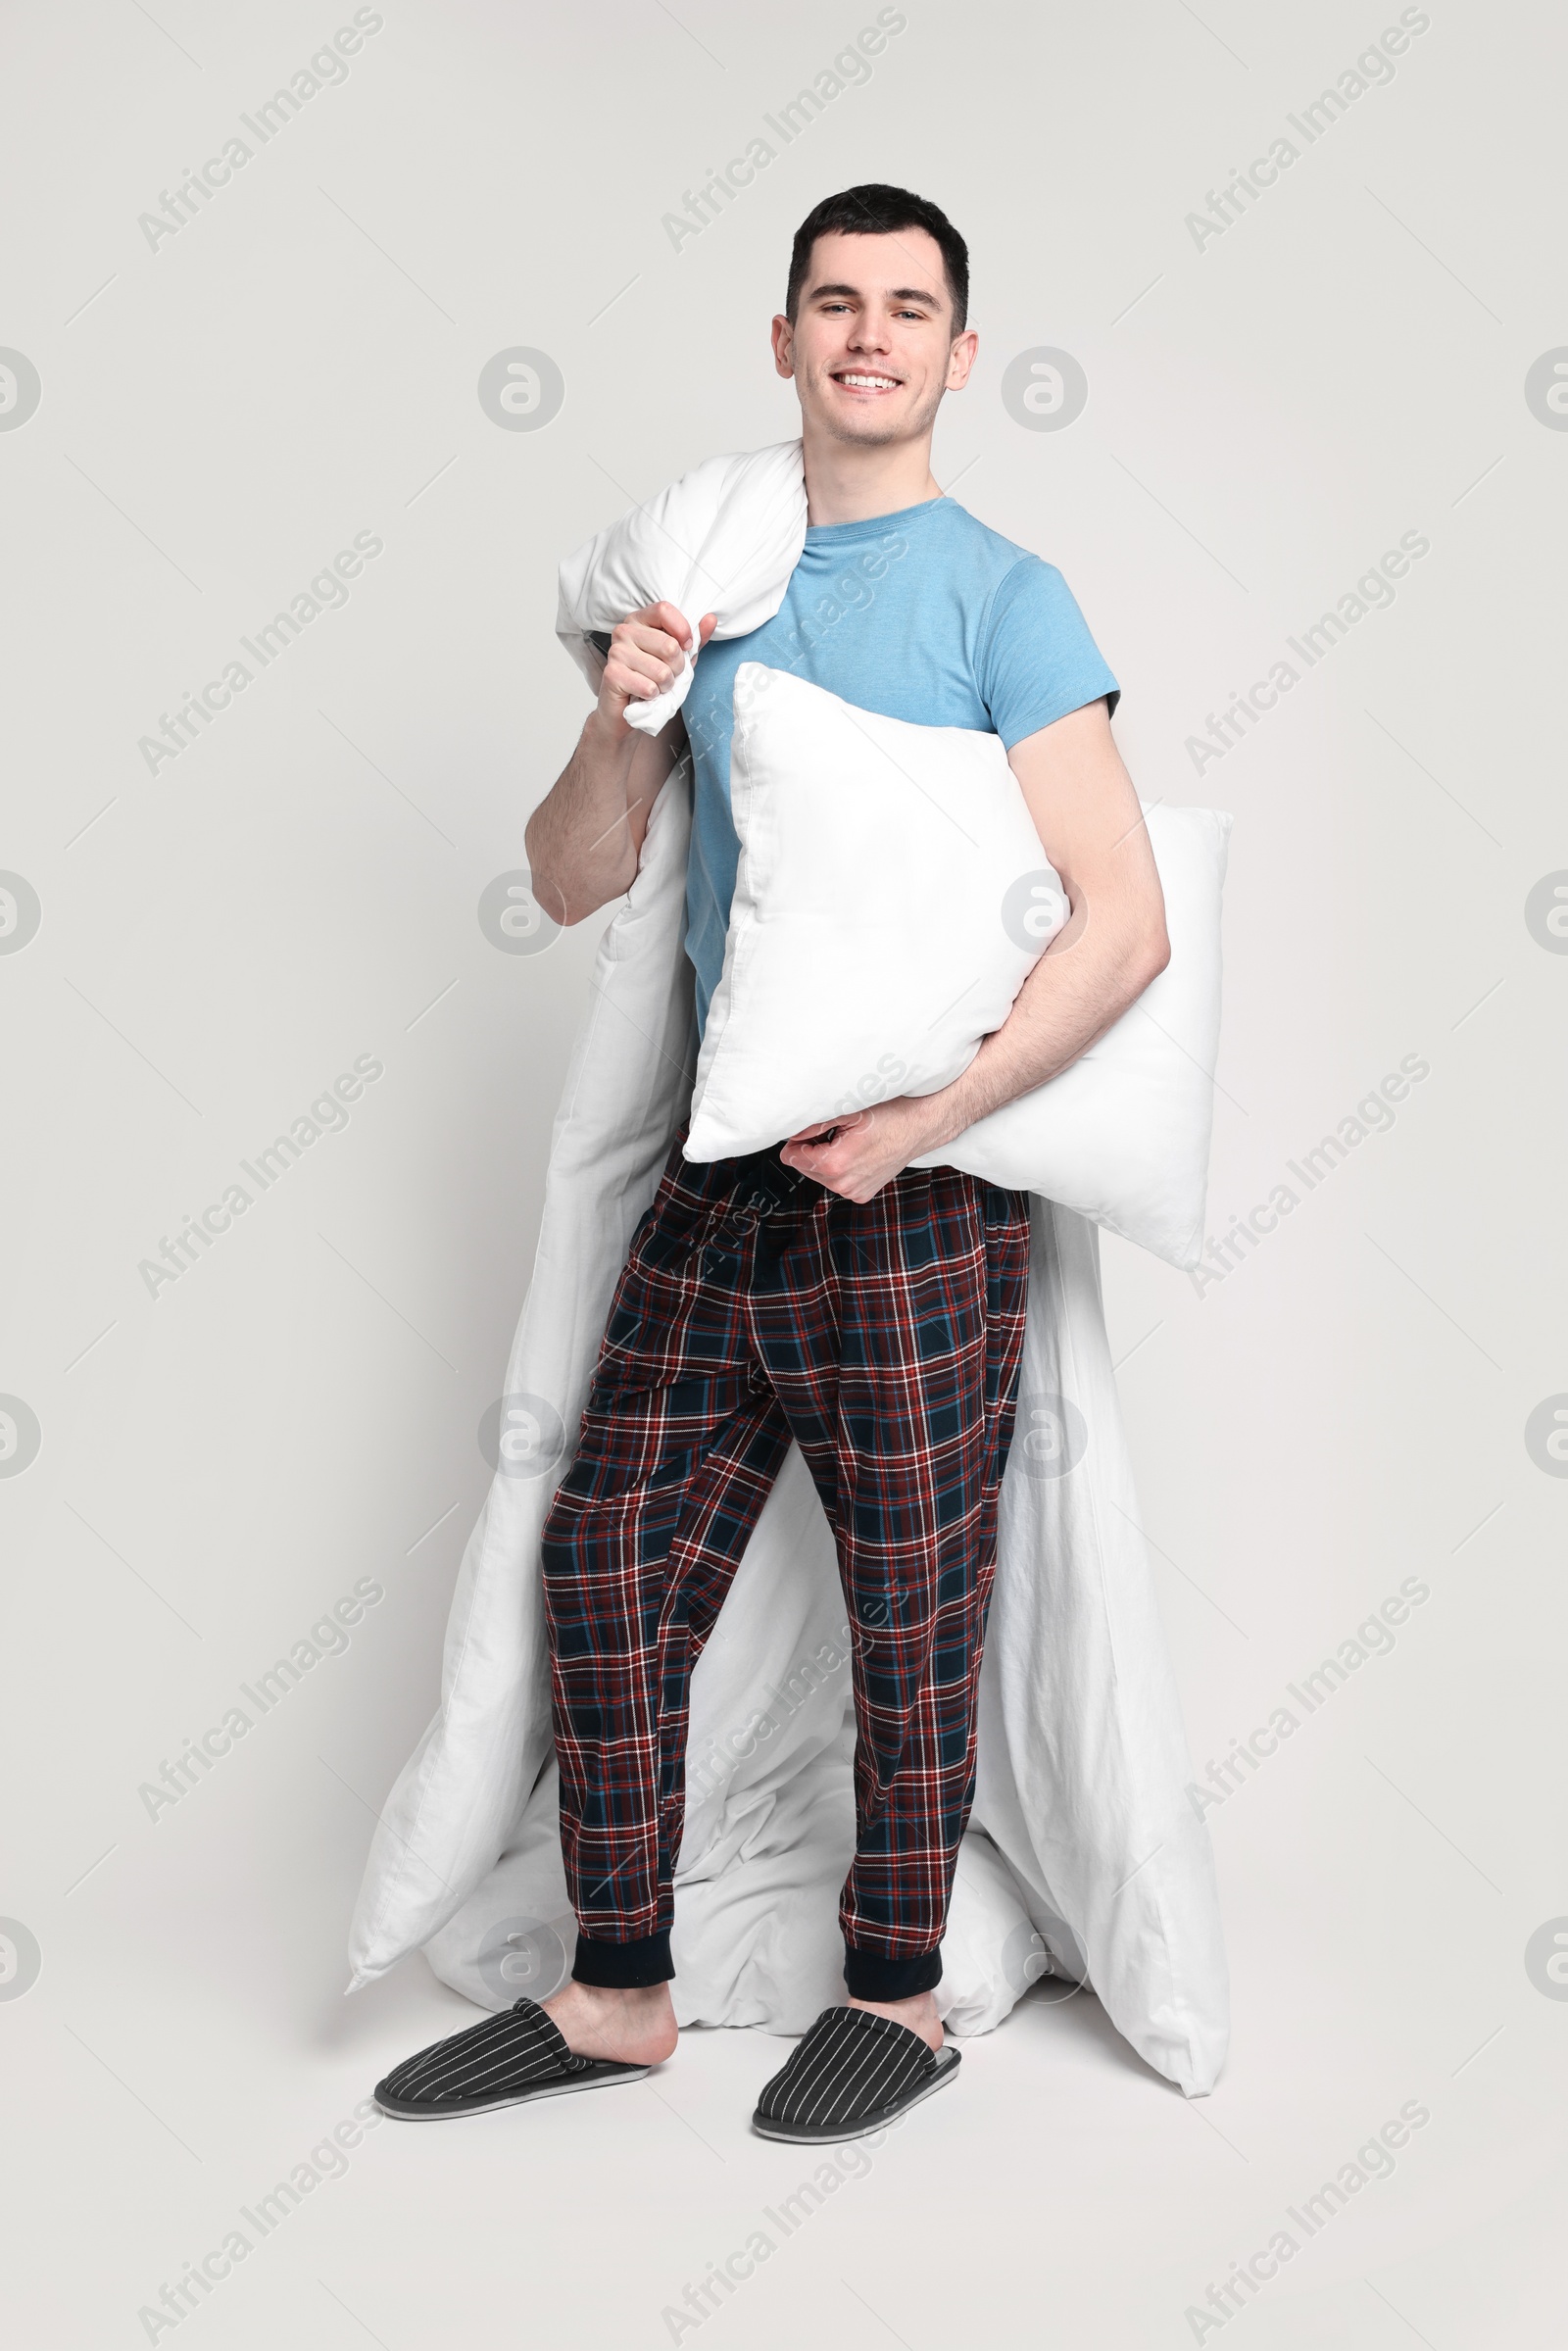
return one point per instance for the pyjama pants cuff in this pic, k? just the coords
(645, 1961)
(871, 1976)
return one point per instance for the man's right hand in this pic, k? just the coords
(584, 839)
(646, 654)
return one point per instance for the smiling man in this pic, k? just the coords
(824, 1292)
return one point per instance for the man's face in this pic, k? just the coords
(871, 350)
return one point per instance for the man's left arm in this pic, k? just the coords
(1090, 824)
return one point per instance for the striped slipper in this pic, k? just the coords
(503, 2062)
(853, 2071)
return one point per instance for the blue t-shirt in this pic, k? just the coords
(925, 615)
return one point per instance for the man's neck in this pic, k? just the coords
(845, 483)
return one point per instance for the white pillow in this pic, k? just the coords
(859, 916)
(1122, 1135)
(891, 900)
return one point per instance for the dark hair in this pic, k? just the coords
(876, 211)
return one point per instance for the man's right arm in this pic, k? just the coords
(585, 837)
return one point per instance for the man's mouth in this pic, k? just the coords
(865, 380)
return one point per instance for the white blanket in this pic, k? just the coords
(1083, 1843)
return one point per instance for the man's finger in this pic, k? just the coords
(633, 660)
(653, 642)
(667, 616)
(630, 685)
(632, 663)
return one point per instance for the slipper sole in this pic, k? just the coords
(605, 2075)
(821, 2135)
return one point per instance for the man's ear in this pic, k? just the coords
(961, 359)
(783, 335)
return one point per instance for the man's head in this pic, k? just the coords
(874, 326)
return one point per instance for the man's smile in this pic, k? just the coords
(867, 382)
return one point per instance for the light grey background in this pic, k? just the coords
(1266, 413)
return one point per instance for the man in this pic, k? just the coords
(826, 1290)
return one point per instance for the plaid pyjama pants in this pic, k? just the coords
(885, 1338)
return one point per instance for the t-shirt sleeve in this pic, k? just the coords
(1037, 659)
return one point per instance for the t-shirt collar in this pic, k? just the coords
(874, 526)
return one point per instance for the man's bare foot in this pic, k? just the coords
(634, 2025)
(919, 2015)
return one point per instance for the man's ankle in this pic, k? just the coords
(632, 2022)
(644, 1997)
(918, 2015)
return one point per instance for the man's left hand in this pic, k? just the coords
(857, 1154)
